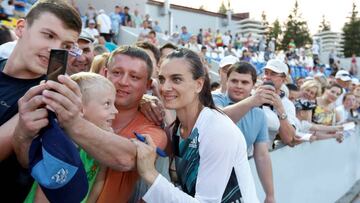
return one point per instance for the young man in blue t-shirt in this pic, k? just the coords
(49, 24)
(241, 78)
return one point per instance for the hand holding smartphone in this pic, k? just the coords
(270, 83)
(57, 63)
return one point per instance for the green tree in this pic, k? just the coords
(324, 25)
(295, 28)
(222, 8)
(275, 32)
(351, 31)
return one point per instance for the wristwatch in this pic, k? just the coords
(282, 116)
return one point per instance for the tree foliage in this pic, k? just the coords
(295, 28)
(222, 8)
(275, 32)
(324, 25)
(351, 31)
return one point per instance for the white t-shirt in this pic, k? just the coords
(222, 147)
(105, 23)
(92, 31)
(343, 113)
(226, 39)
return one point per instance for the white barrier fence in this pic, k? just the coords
(319, 172)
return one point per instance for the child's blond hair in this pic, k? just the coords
(90, 83)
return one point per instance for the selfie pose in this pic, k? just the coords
(208, 148)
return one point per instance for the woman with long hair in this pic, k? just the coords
(208, 148)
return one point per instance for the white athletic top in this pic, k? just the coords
(222, 147)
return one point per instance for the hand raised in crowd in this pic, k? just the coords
(145, 159)
(263, 95)
(65, 99)
(152, 108)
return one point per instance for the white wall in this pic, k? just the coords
(320, 172)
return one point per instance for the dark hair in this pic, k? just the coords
(334, 85)
(198, 70)
(151, 47)
(60, 8)
(100, 49)
(134, 52)
(168, 46)
(292, 87)
(152, 32)
(214, 85)
(5, 35)
(243, 67)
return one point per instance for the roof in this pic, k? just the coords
(235, 17)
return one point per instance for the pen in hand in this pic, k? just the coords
(159, 151)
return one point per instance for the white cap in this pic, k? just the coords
(277, 66)
(228, 60)
(343, 75)
(91, 21)
(355, 81)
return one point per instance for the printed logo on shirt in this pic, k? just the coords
(193, 144)
(4, 104)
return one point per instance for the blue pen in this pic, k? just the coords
(159, 151)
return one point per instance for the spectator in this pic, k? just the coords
(271, 45)
(214, 86)
(8, 6)
(137, 20)
(81, 62)
(100, 49)
(92, 30)
(200, 37)
(99, 63)
(228, 51)
(192, 44)
(241, 78)
(332, 56)
(344, 110)
(218, 39)
(199, 141)
(20, 8)
(6, 35)
(90, 13)
(152, 38)
(184, 35)
(104, 25)
(324, 112)
(127, 21)
(276, 72)
(343, 79)
(354, 83)
(353, 67)
(115, 23)
(109, 45)
(23, 70)
(204, 58)
(154, 54)
(156, 27)
(310, 90)
(224, 66)
(226, 39)
(144, 31)
(166, 49)
(294, 92)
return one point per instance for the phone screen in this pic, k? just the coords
(57, 63)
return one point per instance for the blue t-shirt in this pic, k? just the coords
(14, 178)
(20, 8)
(253, 124)
(185, 37)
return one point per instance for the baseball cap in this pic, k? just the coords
(343, 75)
(277, 66)
(84, 35)
(228, 60)
(91, 21)
(355, 81)
(54, 162)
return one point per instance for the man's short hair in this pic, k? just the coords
(60, 8)
(243, 67)
(168, 46)
(151, 47)
(134, 52)
(292, 87)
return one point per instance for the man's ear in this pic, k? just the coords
(20, 27)
(106, 72)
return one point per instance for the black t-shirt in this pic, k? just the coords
(15, 180)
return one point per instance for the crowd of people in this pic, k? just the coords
(73, 140)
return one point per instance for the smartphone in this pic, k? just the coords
(271, 84)
(57, 63)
